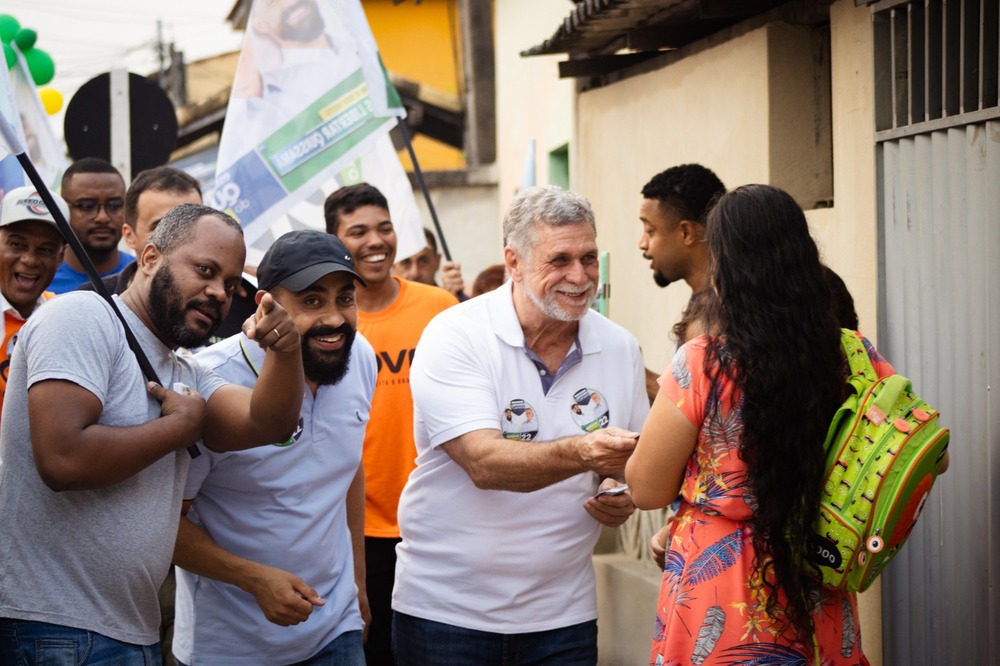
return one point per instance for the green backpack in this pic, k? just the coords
(882, 453)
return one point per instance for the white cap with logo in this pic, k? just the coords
(23, 204)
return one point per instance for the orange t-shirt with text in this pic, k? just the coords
(389, 451)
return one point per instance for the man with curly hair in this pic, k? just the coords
(675, 203)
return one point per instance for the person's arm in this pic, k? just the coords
(356, 525)
(241, 418)
(652, 387)
(284, 598)
(74, 452)
(656, 468)
(495, 463)
(658, 546)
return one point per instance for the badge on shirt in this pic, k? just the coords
(294, 438)
(590, 410)
(519, 421)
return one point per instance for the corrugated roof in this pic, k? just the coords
(605, 26)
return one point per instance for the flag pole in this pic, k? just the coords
(405, 131)
(71, 238)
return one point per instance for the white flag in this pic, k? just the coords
(11, 136)
(310, 98)
(40, 141)
(380, 168)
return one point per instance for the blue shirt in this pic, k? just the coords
(283, 505)
(68, 278)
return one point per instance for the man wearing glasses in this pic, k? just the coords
(95, 192)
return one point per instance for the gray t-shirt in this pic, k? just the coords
(90, 559)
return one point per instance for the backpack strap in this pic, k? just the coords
(862, 375)
(857, 357)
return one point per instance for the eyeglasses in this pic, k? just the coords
(91, 207)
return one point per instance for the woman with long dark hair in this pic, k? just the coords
(738, 429)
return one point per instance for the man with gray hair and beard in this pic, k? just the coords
(500, 517)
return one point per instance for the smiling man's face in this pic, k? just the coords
(30, 254)
(368, 234)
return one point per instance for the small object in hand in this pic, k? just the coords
(182, 388)
(617, 490)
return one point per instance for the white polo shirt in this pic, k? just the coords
(503, 561)
(282, 505)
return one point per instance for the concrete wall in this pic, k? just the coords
(532, 102)
(468, 214)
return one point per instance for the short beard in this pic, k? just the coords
(660, 279)
(547, 304)
(167, 313)
(323, 368)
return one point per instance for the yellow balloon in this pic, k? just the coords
(52, 100)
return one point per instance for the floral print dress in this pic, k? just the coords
(710, 609)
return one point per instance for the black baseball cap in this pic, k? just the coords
(299, 258)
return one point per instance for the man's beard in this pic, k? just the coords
(303, 31)
(548, 304)
(327, 368)
(168, 315)
(660, 279)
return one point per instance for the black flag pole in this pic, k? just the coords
(405, 131)
(85, 261)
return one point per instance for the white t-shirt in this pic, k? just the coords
(282, 505)
(503, 561)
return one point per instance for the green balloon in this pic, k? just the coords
(8, 27)
(25, 39)
(9, 55)
(41, 66)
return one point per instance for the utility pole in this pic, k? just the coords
(161, 49)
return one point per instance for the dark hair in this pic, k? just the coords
(160, 179)
(88, 165)
(348, 199)
(431, 241)
(688, 190)
(843, 303)
(177, 226)
(489, 279)
(779, 342)
(695, 312)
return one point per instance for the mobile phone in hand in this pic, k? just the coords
(617, 490)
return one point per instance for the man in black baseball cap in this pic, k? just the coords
(261, 574)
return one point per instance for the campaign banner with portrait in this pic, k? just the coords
(11, 174)
(310, 98)
(40, 142)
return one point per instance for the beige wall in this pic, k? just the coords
(738, 109)
(468, 215)
(847, 233)
(532, 101)
(709, 108)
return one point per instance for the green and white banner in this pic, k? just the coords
(311, 103)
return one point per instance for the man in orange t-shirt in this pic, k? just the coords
(392, 314)
(31, 249)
